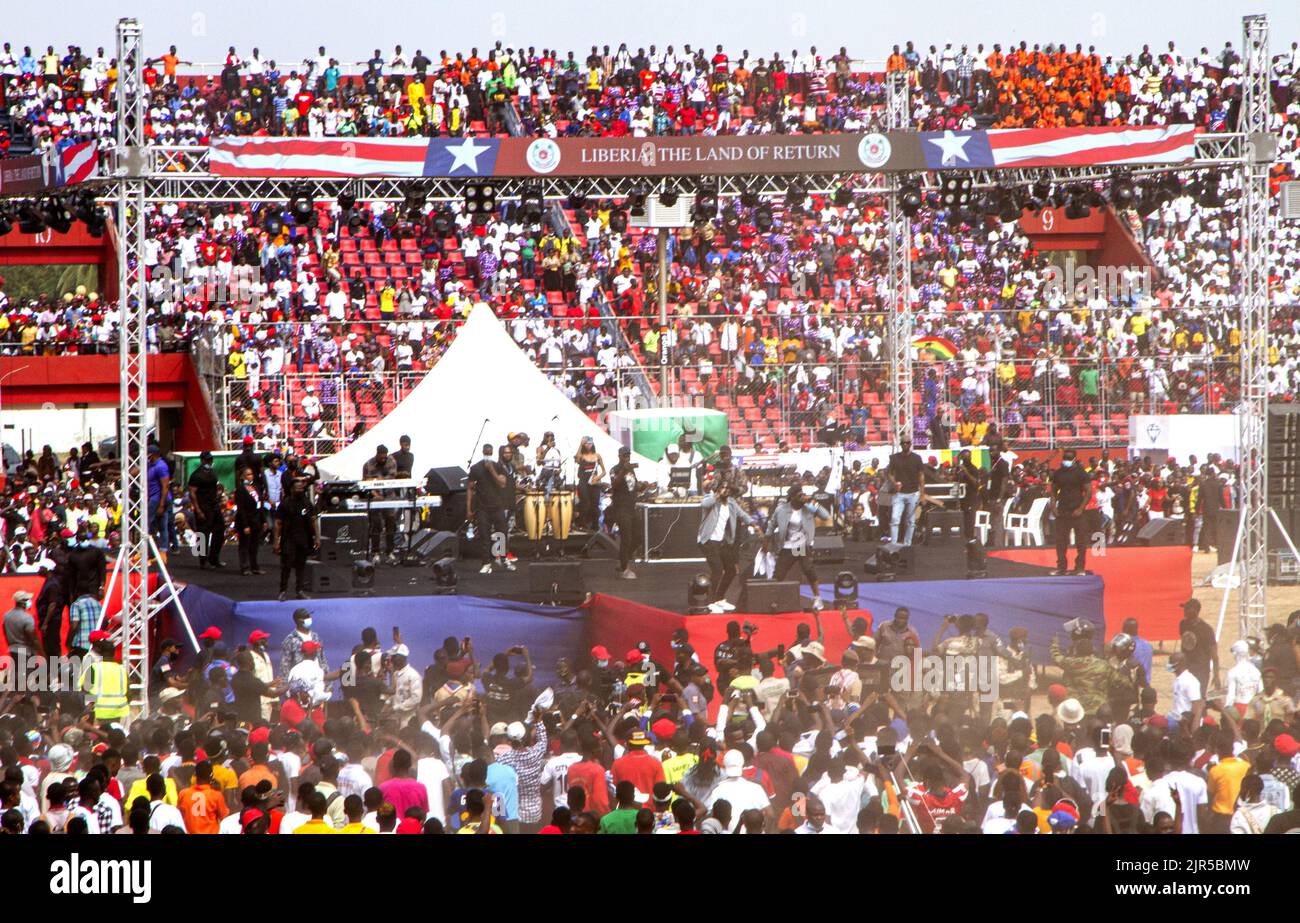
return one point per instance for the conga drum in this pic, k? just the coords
(561, 512)
(534, 513)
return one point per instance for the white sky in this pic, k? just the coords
(288, 31)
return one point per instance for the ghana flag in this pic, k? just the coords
(940, 348)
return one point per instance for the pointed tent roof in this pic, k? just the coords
(482, 375)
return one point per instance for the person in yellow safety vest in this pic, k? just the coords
(105, 681)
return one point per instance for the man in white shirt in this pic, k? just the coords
(1188, 701)
(840, 791)
(556, 771)
(815, 819)
(738, 791)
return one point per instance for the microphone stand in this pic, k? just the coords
(477, 441)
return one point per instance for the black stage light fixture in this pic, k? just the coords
(271, 221)
(444, 575)
(706, 203)
(480, 198)
(794, 198)
(1122, 193)
(698, 592)
(763, 218)
(618, 221)
(576, 201)
(955, 190)
(635, 202)
(668, 198)
(846, 590)
(301, 203)
(363, 574)
(6, 221)
(347, 201)
(531, 204)
(1010, 208)
(57, 216)
(1076, 206)
(1207, 192)
(413, 203)
(909, 198)
(843, 196)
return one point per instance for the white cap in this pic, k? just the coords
(516, 731)
(498, 729)
(733, 764)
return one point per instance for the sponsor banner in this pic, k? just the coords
(699, 155)
(35, 174)
(21, 175)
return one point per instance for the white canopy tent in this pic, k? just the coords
(483, 382)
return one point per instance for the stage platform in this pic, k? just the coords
(661, 585)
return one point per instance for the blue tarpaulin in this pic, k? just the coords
(549, 632)
(1039, 604)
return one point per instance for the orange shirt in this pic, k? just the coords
(255, 774)
(203, 808)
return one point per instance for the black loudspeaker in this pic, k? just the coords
(323, 577)
(828, 549)
(428, 545)
(445, 480)
(1164, 532)
(553, 581)
(768, 597)
(333, 493)
(889, 560)
(344, 537)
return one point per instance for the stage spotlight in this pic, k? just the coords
(576, 201)
(1076, 206)
(636, 202)
(347, 201)
(480, 198)
(301, 204)
(763, 218)
(706, 203)
(731, 217)
(1122, 193)
(363, 574)
(389, 218)
(618, 221)
(794, 198)
(531, 204)
(909, 198)
(1041, 190)
(57, 215)
(955, 190)
(444, 575)
(1207, 192)
(6, 222)
(846, 590)
(191, 220)
(1010, 209)
(271, 222)
(749, 198)
(30, 219)
(1147, 203)
(843, 196)
(668, 198)
(413, 204)
(356, 220)
(698, 592)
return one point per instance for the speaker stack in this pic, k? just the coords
(1283, 490)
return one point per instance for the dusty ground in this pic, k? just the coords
(1282, 600)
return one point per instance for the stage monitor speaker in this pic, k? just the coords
(828, 549)
(427, 545)
(344, 537)
(445, 481)
(556, 580)
(327, 578)
(769, 597)
(1164, 532)
(889, 559)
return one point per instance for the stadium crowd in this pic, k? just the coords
(274, 734)
(786, 322)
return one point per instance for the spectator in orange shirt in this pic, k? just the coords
(202, 804)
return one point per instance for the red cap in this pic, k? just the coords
(213, 632)
(1286, 745)
(98, 635)
(664, 729)
(252, 814)
(633, 656)
(1056, 693)
(599, 653)
(200, 754)
(248, 440)
(257, 635)
(1158, 721)
(310, 647)
(260, 735)
(66, 533)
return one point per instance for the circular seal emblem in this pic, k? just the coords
(543, 155)
(874, 150)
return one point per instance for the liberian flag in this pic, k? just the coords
(79, 162)
(466, 156)
(939, 347)
(1058, 147)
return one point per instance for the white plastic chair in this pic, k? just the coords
(983, 525)
(1027, 528)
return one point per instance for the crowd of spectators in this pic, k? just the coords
(788, 323)
(276, 734)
